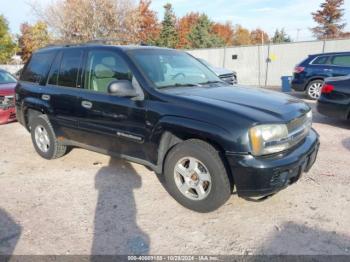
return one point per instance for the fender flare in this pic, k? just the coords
(171, 130)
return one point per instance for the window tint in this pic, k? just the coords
(55, 69)
(38, 67)
(103, 67)
(321, 60)
(341, 60)
(69, 69)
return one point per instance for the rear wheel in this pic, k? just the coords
(196, 176)
(313, 89)
(44, 138)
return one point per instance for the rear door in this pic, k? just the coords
(340, 65)
(320, 66)
(62, 89)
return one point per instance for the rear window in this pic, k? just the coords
(38, 67)
(321, 60)
(341, 60)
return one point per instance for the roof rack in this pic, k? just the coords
(104, 41)
(110, 40)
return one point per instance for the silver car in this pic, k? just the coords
(226, 75)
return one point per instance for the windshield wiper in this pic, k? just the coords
(178, 85)
(211, 82)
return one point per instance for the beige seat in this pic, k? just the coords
(103, 74)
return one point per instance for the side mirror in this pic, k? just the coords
(122, 88)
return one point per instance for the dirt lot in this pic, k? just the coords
(89, 203)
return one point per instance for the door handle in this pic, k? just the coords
(86, 104)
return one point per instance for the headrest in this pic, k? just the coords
(102, 71)
(108, 61)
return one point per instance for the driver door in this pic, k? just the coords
(110, 123)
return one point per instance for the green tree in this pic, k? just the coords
(280, 36)
(32, 38)
(202, 36)
(168, 35)
(329, 19)
(7, 45)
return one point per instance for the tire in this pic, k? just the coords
(44, 138)
(313, 89)
(205, 185)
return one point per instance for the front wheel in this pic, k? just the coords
(196, 176)
(313, 89)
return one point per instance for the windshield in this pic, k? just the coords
(6, 78)
(171, 68)
(205, 62)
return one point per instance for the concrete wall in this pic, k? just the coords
(251, 66)
(11, 68)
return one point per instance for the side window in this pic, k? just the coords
(69, 68)
(102, 68)
(321, 60)
(38, 67)
(341, 60)
(55, 69)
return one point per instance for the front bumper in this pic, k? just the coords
(7, 115)
(263, 176)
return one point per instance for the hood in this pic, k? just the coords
(7, 89)
(257, 104)
(222, 71)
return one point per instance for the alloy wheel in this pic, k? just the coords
(42, 139)
(192, 178)
(314, 90)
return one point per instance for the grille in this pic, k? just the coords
(299, 128)
(297, 123)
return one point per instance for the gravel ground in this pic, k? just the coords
(87, 203)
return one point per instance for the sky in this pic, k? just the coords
(268, 15)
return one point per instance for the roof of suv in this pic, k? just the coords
(331, 53)
(121, 47)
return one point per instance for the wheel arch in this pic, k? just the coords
(33, 107)
(314, 78)
(170, 134)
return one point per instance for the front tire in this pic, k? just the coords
(313, 90)
(196, 176)
(44, 138)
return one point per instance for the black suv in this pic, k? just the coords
(164, 109)
(309, 75)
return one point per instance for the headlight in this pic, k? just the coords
(268, 139)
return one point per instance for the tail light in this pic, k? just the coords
(327, 88)
(299, 69)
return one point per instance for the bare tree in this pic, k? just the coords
(85, 20)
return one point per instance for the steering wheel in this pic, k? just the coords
(177, 75)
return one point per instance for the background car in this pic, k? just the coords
(7, 92)
(226, 75)
(335, 98)
(309, 75)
